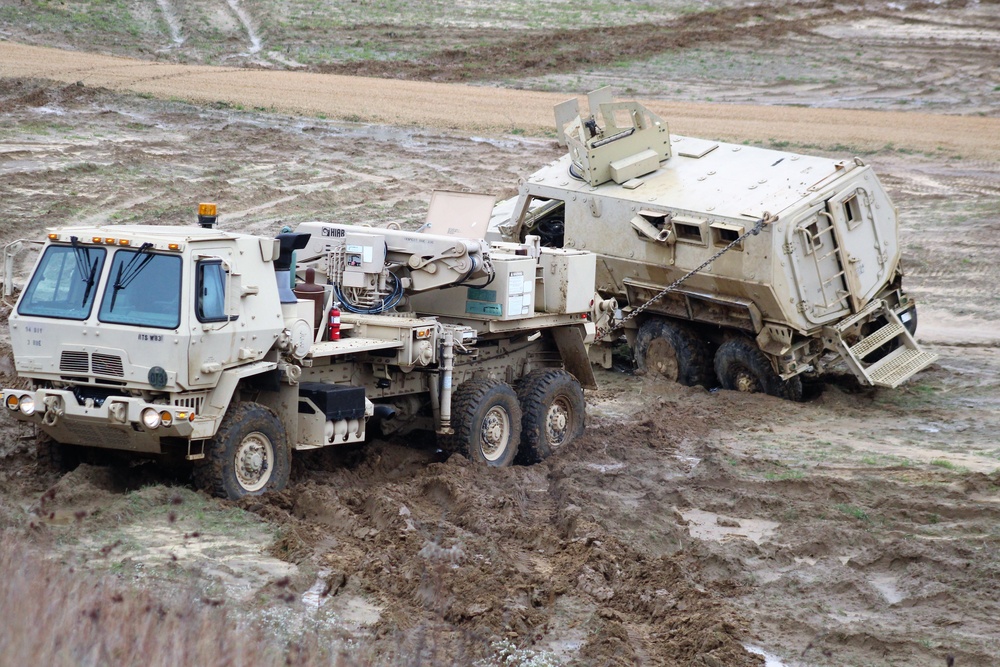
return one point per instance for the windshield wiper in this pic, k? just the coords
(84, 266)
(128, 272)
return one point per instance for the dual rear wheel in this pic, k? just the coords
(496, 425)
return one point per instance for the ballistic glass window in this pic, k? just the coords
(210, 285)
(689, 233)
(65, 283)
(143, 289)
(852, 212)
(723, 235)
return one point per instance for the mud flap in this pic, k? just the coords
(572, 346)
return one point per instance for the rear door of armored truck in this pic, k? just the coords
(856, 213)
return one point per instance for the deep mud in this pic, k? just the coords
(858, 528)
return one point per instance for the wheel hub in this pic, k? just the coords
(556, 422)
(747, 383)
(662, 359)
(252, 464)
(495, 433)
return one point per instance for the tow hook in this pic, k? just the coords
(54, 409)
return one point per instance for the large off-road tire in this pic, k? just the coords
(673, 351)
(741, 366)
(553, 413)
(248, 456)
(55, 456)
(486, 418)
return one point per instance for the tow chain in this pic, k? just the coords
(768, 219)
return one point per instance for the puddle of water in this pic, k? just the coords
(314, 598)
(704, 525)
(50, 111)
(605, 468)
(770, 660)
(886, 586)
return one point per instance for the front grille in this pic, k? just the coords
(75, 362)
(107, 364)
(192, 403)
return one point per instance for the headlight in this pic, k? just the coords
(27, 404)
(150, 418)
(166, 418)
(12, 402)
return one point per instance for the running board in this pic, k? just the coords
(895, 367)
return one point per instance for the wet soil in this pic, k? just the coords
(687, 527)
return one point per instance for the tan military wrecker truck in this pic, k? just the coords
(732, 265)
(189, 342)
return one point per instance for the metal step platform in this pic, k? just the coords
(904, 360)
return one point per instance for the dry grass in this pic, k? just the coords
(55, 615)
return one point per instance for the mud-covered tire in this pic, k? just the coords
(741, 366)
(486, 419)
(248, 456)
(55, 456)
(553, 411)
(673, 351)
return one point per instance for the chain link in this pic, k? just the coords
(768, 219)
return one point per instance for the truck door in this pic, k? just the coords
(812, 245)
(215, 322)
(858, 235)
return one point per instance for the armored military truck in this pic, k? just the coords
(230, 351)
(729, 264)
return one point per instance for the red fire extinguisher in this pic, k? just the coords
(335, 321)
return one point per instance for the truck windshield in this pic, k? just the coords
(63, 285)
(144, 289)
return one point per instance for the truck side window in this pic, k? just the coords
(545, 218)
(210, 283)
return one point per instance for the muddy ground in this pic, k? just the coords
(857, 528)
(687, 527)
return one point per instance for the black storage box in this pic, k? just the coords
(335, 400)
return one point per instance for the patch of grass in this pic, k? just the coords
(948, 465)
(784, 476)
(886, 461)
(853, 512)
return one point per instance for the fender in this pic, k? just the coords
(220, 398)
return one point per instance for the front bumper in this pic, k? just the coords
(114, 423)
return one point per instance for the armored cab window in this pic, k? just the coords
(65, 282)
(210, 291)
(545, 218)
(658, 219)
(852, 212)
(143, 289)
(689, 230)
(723, 235)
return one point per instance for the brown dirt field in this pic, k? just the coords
(686, 528)
(477, 109)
